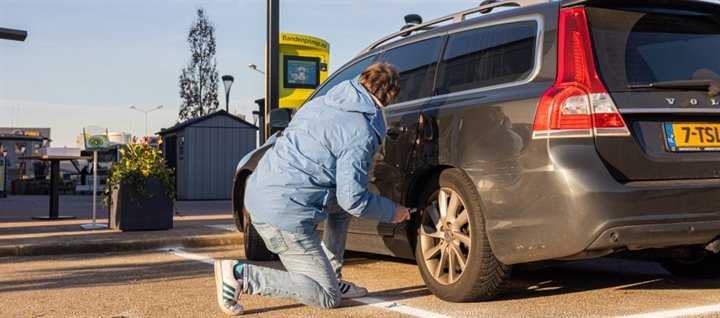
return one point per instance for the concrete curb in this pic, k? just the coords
(121, 245)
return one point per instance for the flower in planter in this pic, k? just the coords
(138, 162)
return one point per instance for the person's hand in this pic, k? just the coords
(401, 214)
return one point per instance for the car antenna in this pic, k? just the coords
(411, 20)
(486, 2)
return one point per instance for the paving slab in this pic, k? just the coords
(195, 224)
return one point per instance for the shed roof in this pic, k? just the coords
(196, 120)
(23, 138)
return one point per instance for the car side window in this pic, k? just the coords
(346, 74)
(416, 63)
(488, 56)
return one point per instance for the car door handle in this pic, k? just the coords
(396, 131)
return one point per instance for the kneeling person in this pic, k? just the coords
(317, 171)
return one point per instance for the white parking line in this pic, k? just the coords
(226, 227)
(387, 305)
(684, 312)
(372, 301)
(192, 256)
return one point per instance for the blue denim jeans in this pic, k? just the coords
(313, 267)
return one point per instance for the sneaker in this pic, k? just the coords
(350, 290)
(228, 288)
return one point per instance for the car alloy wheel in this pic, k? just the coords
(452, 249)
(445, 238)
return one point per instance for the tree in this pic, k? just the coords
(199, 79)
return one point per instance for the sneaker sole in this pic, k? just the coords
(354, 296)
(219, 291)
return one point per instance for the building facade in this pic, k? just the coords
(205, 151)
(19, 142)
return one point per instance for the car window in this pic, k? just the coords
(646, 45)
(488, 56)
(416, 64)
(350, 72)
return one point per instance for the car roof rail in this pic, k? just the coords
(485, 7)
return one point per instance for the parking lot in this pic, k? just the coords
(465, 134)
(179, 283)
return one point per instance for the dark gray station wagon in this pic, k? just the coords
(545, 130)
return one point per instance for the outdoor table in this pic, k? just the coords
(54, 184)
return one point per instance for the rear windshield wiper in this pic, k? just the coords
(713, 87)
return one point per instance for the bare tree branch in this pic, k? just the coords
(199, 79)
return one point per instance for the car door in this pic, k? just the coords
(416, 62)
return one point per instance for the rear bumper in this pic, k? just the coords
(636, 237)
(564, 203)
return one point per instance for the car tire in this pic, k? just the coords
(255, 248)
(455, 233)
(702, 264)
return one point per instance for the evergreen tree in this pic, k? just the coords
(199, 79)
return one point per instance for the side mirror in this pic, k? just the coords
(279, 119)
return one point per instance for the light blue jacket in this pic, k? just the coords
(324, 155)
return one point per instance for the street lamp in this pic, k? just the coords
(227, 82)
(254, 68)
(146, 114)
(256, 116)
(12, 34)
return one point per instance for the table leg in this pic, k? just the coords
(54, 188)
(54, 193)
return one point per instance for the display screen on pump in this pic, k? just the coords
(301, 72)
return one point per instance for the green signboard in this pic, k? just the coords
(96, 138)
(96, 142)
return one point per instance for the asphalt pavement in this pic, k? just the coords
(169, 274)
(179, 283)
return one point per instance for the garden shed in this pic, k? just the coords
(204, 151)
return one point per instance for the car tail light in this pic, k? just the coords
(578, 105)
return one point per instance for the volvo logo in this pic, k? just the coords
(694, 101)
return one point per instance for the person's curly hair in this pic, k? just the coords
(382, 80)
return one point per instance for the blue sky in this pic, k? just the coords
(85, 61)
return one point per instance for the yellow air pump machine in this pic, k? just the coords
(303, 66)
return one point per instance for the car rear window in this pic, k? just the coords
(646, 45)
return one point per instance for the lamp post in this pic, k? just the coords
(254, 68)
(146, 115)
(227, 82)
(259, 115)
(12, 34)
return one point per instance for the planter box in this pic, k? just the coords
(155, 213)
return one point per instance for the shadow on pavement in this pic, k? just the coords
(352, 257)
(270, 309)
(104, 275)
(566, 278)
(390, 295)
(603, 273)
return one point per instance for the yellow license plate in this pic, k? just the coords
(682, 137)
